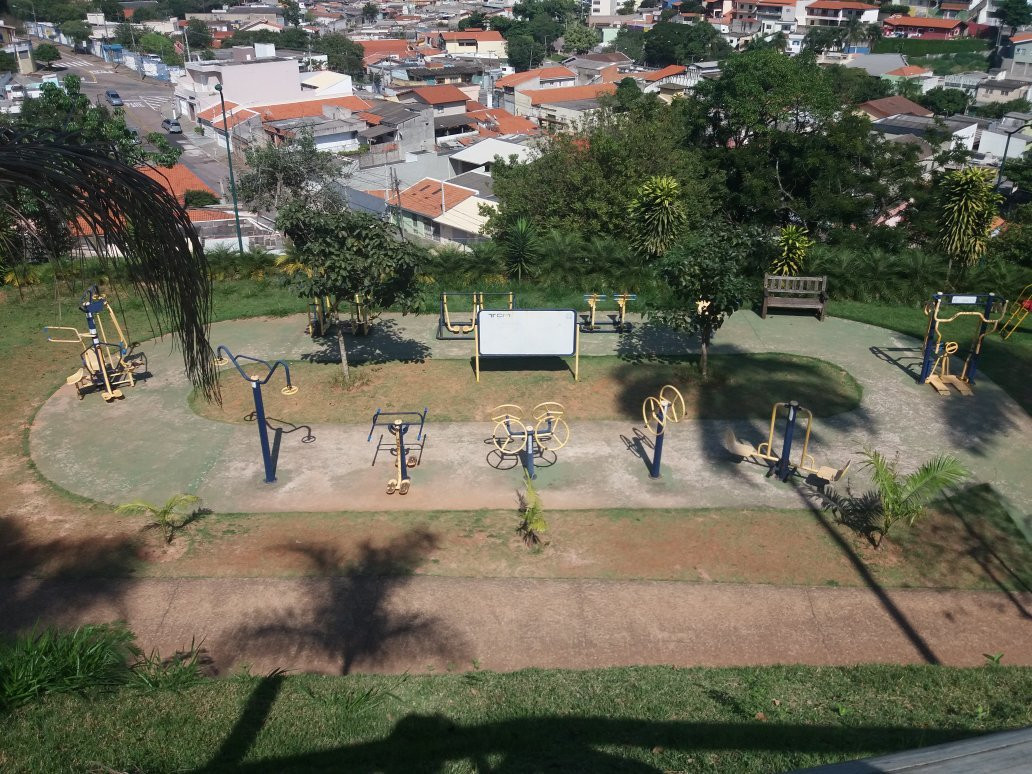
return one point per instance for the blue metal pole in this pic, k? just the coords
(928, 359)
(784, 463)
(263, 431)
(657, 454)
(528, 454)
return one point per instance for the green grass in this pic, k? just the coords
(951, 63)
(1007, 363)
(915, 48)
(626, 719)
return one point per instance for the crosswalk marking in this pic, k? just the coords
(82, 63)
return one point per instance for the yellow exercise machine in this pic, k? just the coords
(1022, 306)
(658, 411)
(322, 317)
(547, 432)
(104, 364)
(407, 453)
(447, 328)
(617, 323)
(781, 464)
(988, 308)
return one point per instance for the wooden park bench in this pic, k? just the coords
(794, 293)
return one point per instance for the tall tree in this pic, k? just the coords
(968, 205)
(667, 43)
(1013, 13)
(945, 102)
(46, 53)
(291, 13)
(343, 54)
(279, 174)
(197, 34)
(705, 274)
(524, 52)
(77, 30)
(909, 88)
(579, 38)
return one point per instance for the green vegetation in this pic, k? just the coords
(46, 54)
(947, 64)
(918, 48)
(169, 517)
(719, 720)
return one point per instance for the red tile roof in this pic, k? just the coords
(424, 197)
(842, 5)
(177, 180)
(199, 215)
(909, 71)
(544, 73)
(480, 36)
(569, 93)
(504, 121)
(1021, 37)
(667, 72)
(311, 107)
(472, 104)
(925, 22)
(440, 95)
(893, 106)
(237, 118)
(216, 110)
(383, 46)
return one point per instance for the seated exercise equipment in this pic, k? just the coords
(987, 308)
(104, 364)
(658, 411)
(1022, 307)
(512, 436)
(224, 356)
(781, 465)
(322, 317)
(406, 454)
(462, 330)
(615, 323)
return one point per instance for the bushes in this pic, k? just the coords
(914, 47)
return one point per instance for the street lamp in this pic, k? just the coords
(229, 155)
(1006, 147)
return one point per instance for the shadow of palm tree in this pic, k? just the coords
(351, 618)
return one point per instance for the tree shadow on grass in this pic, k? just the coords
(351, 617)
(385, 343)
(434, 743)
(52, 581)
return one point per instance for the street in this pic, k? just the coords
(147, 102)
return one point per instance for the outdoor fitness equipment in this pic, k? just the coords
(463, 330)
(658, 412)
(782, 465)
(402, 451)
(526, 333)
(988, 308)
(616, 323)
(256, 392)
(103, 362)
(1022, 307)
(514, 437)
(322, 317)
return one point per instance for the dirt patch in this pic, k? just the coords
(739, 386)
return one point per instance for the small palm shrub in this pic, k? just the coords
(533, 513)
(169, 518)
(794, 245)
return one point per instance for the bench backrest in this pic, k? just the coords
(779, 283)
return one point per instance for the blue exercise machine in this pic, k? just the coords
(988, 308)
(781, 465)
(223, 356)
(513, 437)
(403, 450)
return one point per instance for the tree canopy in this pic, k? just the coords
(278, 174)
(668, 43)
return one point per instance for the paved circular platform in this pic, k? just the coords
(152, 445)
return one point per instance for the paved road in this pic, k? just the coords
(147, 102)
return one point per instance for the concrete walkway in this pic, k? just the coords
(152, 445)
(421, 623)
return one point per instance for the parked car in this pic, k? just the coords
(172, 126)
(113, 99)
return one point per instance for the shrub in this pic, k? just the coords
(199, 198)
(41, 663)
(533, 513)
(913, 47)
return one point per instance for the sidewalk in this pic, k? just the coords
(423, 623)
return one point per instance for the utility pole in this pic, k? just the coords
(232, 181)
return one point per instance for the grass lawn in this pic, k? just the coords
(628, 719)
(1007, 363)
(740, 386)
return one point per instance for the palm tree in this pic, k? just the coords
(168, 517)
(50, 179)
(909, 88)
(522, 247)
(969, 205)
(657, 216)
(560, 253)
(896, 497)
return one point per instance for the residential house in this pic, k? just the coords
(921, 26)
(891, 106)
(968, 81)
(478, 44)
(326, 83)
(1019, 63)
(835, 13)
(505, 88)
(671, 81)
(418, 205)
(597, 68)
(444, 100)
(482, 155)
(961, 131)
(394, 129)
(565, 108)
(772, 16)
(18, 47)
(1009, 136)
(493, 122)
(1001, 90)
(435, 73)
(910, 72)
(377, 50)
(604, 7)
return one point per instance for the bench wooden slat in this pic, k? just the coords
(794, 292)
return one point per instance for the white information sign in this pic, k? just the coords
(527, 332)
